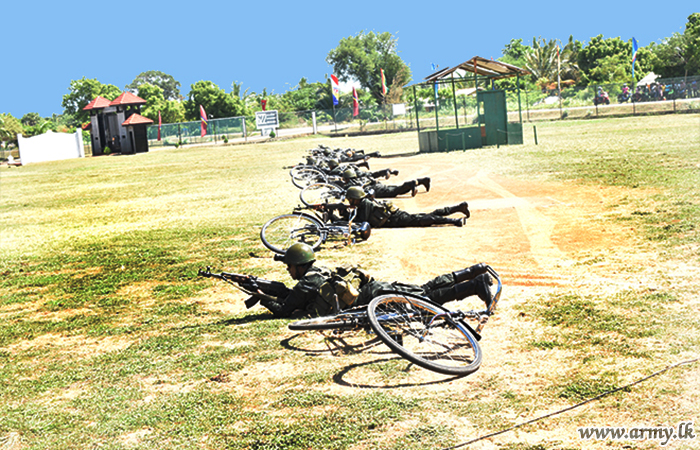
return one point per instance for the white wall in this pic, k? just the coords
(51, 146)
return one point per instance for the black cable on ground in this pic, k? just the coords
(481, 438)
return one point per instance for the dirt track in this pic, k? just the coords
(534, 234)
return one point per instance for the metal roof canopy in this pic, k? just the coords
(471, 70)
(481, 66)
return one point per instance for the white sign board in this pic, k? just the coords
(399, 109)
(267, 119)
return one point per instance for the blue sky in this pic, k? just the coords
(272, 44)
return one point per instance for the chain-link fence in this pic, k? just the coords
(452, 110)
(342, 120)
(185, 133)
(661, 96)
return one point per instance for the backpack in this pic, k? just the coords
(344, 286)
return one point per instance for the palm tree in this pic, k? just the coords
(541, 60)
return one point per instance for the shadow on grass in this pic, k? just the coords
(244, 320)
(340, 377)
(334, 344)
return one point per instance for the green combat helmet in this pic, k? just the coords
(349, 174)
(299, 254)
(333, 163)
(355, 192)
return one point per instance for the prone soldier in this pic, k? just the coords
(383, 214)
(321, 291)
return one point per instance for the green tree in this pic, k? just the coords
(81, 93)
(692, 50)
(38, 128)
(170, 86)
(514, 53)
(154, 100)
(10, 127)
(31, 119)
(679, 55)
(605, 60)
(362, 56)
(547, 60)
(216, 102)
(306, 96)
(173, 112)
(541, 61)
(244, 100)
(569, 69)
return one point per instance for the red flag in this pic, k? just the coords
(355, 103)
(203, 116)
(160, 123)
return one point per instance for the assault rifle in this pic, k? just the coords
(256, 287)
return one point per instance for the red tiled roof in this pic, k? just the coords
(137, 119)
(127, 98)
(97, 103)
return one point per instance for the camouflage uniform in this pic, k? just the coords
(384, 215)
(304, 296)
(368, 180)
(439, 289)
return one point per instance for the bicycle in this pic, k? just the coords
(318, 194)
(418, 329)
(304, 175)
(312, 226)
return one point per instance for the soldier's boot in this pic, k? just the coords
(469, 273)
(457, 222)
(463, 208)
(478, 286)
(428, 220)
(451, 221)
(425, 181)
(446, 211)
(414, 189)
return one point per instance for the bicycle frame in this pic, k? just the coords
(337, 227)
(359, 319)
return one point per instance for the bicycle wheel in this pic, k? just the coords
(346, 320)
(425, 334)
(280, 233)
(321, 194)
(304, 176)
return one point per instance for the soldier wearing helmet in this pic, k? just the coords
(310, 296)
(303, 297)
(368, 180)
(383, 214)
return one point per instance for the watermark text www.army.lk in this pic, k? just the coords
(682, 431)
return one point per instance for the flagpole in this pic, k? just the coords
(559, 81)
(335, 123)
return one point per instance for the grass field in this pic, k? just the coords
(108, 339)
